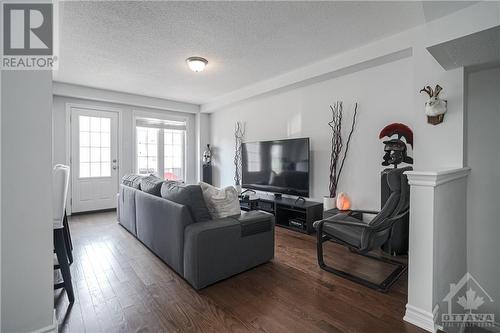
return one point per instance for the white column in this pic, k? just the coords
(437, 249)
(26, 241)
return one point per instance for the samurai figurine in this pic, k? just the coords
(396, 149)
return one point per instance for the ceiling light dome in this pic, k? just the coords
(196, 64)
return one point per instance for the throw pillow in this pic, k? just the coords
(152, 185)
(132, 180)
(188, 195)
(221, 202)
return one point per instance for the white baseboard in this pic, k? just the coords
(52, 328)
(420, 318)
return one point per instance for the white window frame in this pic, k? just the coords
(160, 116)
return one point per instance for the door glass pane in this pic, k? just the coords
(95, 146)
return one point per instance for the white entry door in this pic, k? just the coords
(94, 159)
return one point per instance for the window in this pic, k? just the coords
(147, 150)
(161, 145)
(95, 146)
(173, 154)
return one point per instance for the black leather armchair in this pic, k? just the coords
(363, 237)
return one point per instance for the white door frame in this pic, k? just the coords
(119, 149)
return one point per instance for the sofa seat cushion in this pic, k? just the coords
(132, 180)
(188, 195)
(152, 185)
(254, 222)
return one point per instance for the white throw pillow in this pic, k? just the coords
(221, 202)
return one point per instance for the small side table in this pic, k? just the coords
(335, 211)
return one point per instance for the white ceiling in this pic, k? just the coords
(140, 47)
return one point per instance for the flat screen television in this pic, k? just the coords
(279, 166)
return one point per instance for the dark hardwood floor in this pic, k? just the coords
(122, 287)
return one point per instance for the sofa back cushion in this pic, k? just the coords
(221, 202)
(187, 195)
(152, 185)
(132, 180)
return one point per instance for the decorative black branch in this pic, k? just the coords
(337, 145)
(239, 134)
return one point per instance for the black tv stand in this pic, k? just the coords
(295, 214)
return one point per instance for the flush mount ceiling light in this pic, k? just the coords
(196, 64)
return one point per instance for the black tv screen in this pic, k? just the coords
(280, 166)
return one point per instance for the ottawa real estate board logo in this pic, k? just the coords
(465, 303)
(27, 39)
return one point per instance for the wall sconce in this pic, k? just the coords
(435, 107)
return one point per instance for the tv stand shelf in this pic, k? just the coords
(298, 215)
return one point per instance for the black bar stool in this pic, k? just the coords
(62, 239)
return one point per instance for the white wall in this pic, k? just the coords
(483, 206)
(60, 140)
(203, 138)
(27, 298)
(384, 96)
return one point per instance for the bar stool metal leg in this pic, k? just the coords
(67, 238)
(62, 258)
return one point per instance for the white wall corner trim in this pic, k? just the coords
(420, 318)
(436, 178)
(52, 328)
(110, 96)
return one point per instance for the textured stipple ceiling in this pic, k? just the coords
(140, 47)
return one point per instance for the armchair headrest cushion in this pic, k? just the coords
(394, 178)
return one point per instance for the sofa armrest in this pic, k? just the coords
(215, 250)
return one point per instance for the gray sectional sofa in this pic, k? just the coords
(201, 252)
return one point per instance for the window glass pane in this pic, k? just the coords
(95, 169)
(84, 139)
(142, 150)
(95, 139)
(105, 125)
(84, 154)
(84, 123)
(142, 163)
(152, 150)
(95, 124)
(173, 154)
(95, 151)
(105, 169)
(105, 154)
(168, 137)
(105, 139)
(147, 150)
(84, 169)
(95, 154)
(177, 138)
(152, 135)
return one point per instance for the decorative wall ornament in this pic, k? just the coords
(239, 135)
(338, 154)
(435, 107)
(207, 156)
(396, 149)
